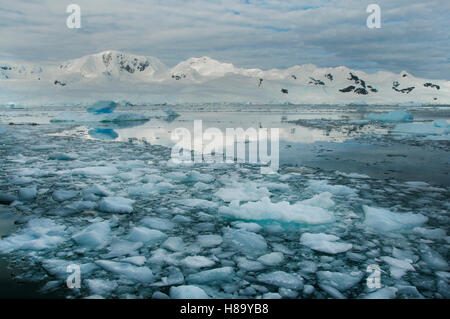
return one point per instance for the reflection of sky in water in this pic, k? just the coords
(159, 132)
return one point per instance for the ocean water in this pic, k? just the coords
(105, 196)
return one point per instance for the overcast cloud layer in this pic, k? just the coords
(264, 34)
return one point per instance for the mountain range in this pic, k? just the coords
(145, 80)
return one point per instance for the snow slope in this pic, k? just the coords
(114, 75)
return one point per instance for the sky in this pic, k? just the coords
(265, 34)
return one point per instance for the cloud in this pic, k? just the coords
(264, 33)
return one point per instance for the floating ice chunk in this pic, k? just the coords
(324, 243)
(197, 203)
(354, 175)
(27, 193)
(191, 177)
(139, 274)
(340, 281)
(271, 295)
(322, 200)
(272, 259)
(95, 170)
(58, 267)
(116, 205)
(39, 234)
(135, 260)
(195, 176)
(187, 292)
(323, 186)
(394, 116)
(433, 258)
(175, 277)
(171, 113)
(408, 292)
(125, 117)
(62, 195)
(281, 211)
(282, 279)
(7, 199)
(95, 235)
(212, 276)
(158, 223)
(21, 180)
(441, 123)
(201, 187)
(253, 227)
(383, 293)
(420, 129)
(383, 220)
(101, 287)
(79, 206)
(436, 233)
(63, 156)
(121, 248)
(197, 262)
(249, 265)
(174, 244)
(103, 133)
(146, 235)
(97, 190)
(287, 293)
(102, 107)
(245, 241)
(404, 254)
(242, 192)
(398, 267)
(333, 292)
(142, 190)
(308, 289)
(209, 240)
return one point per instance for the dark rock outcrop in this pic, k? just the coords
(316, 82)
(347, 89)
(431, 85)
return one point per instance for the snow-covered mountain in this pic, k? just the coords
(146, 80)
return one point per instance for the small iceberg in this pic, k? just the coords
(103, 133)
(437, 128)
(102, 107)
(394, 116)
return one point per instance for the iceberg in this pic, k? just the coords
(421, 129)
(283, 211)
(394, 116)
(102, 107)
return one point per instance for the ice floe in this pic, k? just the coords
(325, 243)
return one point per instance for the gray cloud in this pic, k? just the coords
(264, 33)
